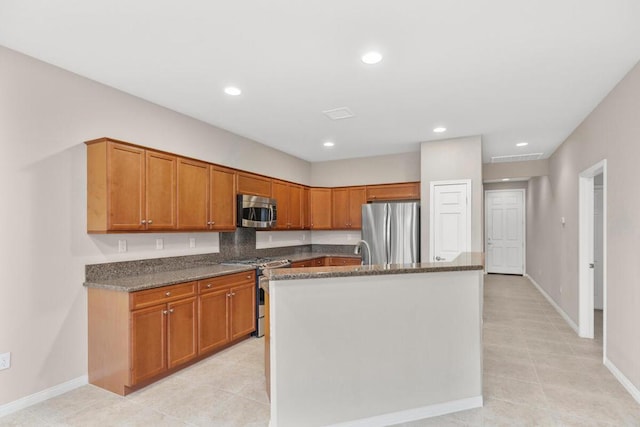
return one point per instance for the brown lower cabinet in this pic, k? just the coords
(314, 262)
(226, 309)
(137, 337)
(326, 261)
(340, 261)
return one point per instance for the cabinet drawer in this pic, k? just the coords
(214, 283)
(318, 262)
(161, 295)
(340, 261)
(301, 264)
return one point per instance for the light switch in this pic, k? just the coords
(159, 244)
(122, 246)
(192, 242)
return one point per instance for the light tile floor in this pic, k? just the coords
(536, 372)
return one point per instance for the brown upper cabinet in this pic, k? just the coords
(306, 211)
(255, 185)
(193, 195)
(320, 208)
(347, 207)
(289, 199)
(135, 189)
(222, 199)
(401, 191)
(129, 188)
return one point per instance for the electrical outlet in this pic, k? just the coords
(192, 242)
(159, 244)
(122, 246)
(5, 361)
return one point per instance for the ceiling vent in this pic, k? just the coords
(338, 113)
(516, 158)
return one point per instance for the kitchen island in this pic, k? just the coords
(374, 345)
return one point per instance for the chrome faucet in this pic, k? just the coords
(358, 248)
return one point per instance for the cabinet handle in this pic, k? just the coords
(171, 310)
(167, 294)
(165, 312)
(213, 222)
(228, 295)
(233, 293)
(249, 277)
(150, 222)
(209, 286)
(143, 222)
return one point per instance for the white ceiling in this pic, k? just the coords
(509, 70)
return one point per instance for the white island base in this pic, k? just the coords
(374, 350)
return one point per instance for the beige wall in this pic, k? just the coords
(452, 159)
(612, 132)
(46, 113)
(403, 167)
(495, 171)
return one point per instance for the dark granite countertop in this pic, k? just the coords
(154, 280)
(465, 261)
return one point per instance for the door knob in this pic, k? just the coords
(592, 265)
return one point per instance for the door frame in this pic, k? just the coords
(432, 185)
(524, 225)
(585, 251)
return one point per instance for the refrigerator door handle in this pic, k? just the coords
(387, 233)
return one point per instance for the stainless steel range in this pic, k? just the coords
(261, 264)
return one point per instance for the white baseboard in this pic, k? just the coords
(43, 395)
(560, 311)
(632, 389)
(415, 413)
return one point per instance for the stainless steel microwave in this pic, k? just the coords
(256, 211)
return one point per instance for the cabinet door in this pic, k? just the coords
(357, 197)
(126, 192)
(340, 212)
(213, 314)
(193, 195)
(306, 213)
(148, 342)
(254, 185)
(182, 331)
(320, 205)
(295, 207)
(160, 191)
(401, 191)
(280, 192)
(243, 310)
(222, 209)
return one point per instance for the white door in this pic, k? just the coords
(450, 219)
(504, 230)
(597, 248)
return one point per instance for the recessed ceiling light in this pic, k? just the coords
(439, 129)
(521, 144)
(505, 179)
(328, 144)
(232, 90)
(372, 57)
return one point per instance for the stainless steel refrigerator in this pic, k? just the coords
(392, 232)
